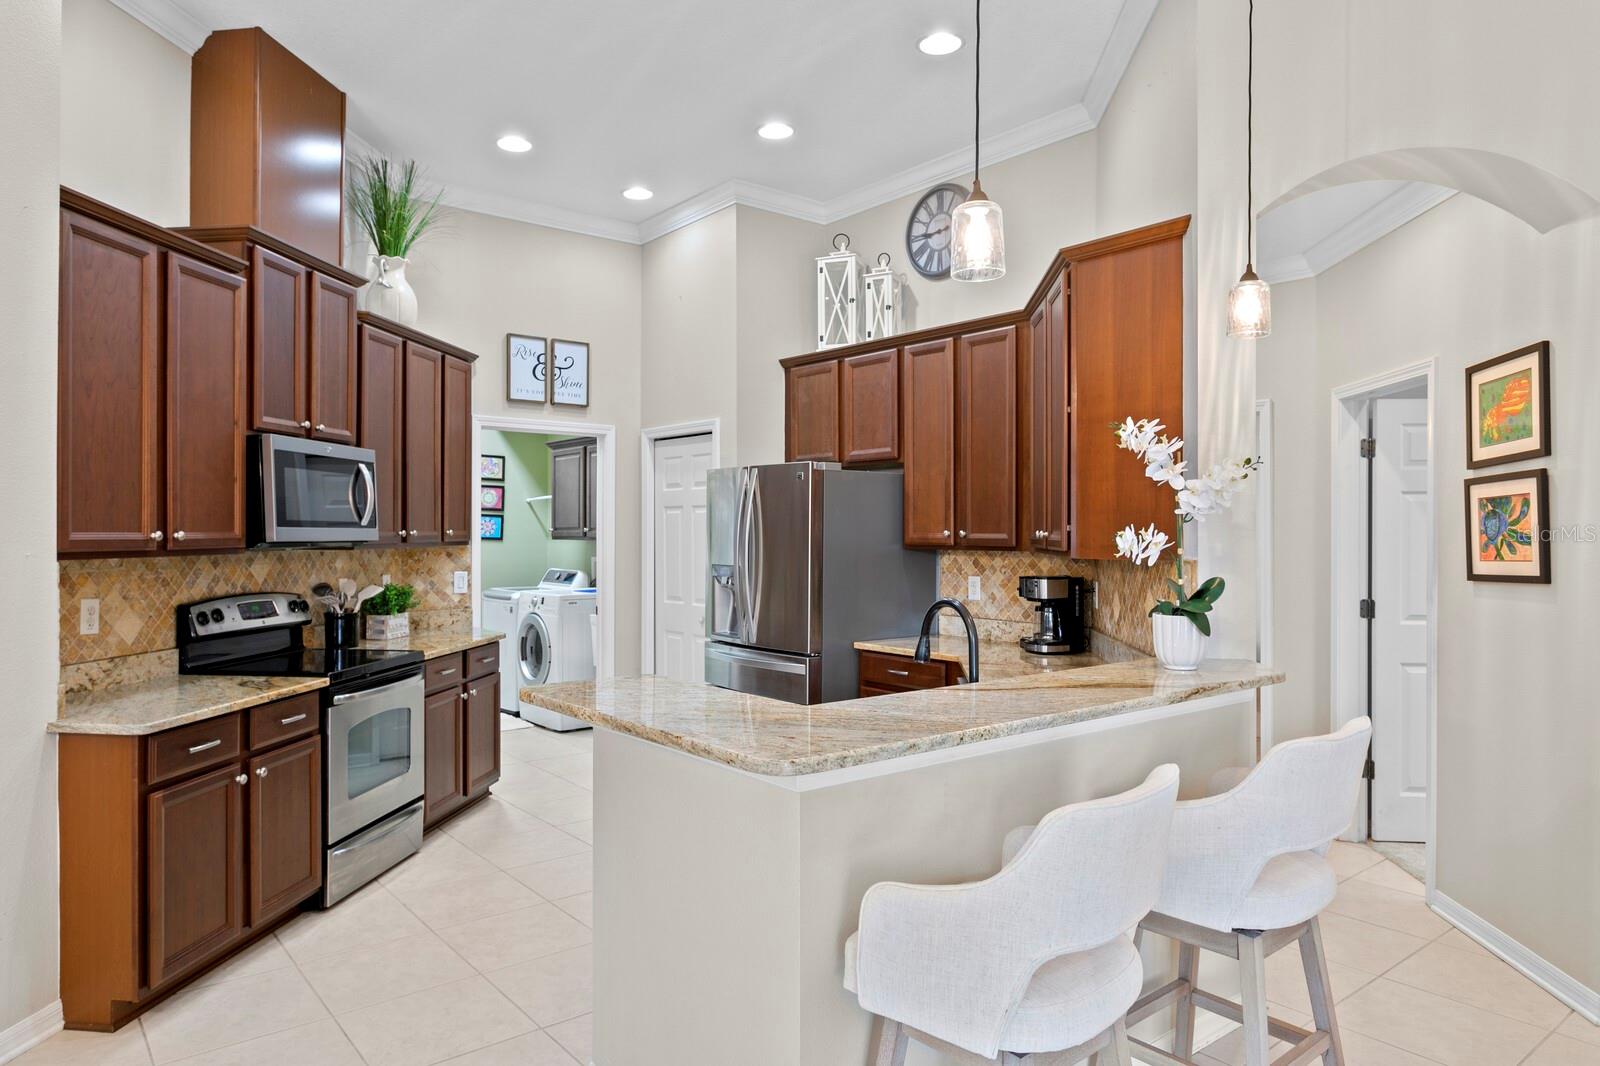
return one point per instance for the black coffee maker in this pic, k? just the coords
(1063, 628)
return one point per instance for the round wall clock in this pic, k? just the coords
(928, 230)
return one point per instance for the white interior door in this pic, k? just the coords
(680, 524)
(1402, 562)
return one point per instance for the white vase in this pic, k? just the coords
(1179, 643)
(390, 294)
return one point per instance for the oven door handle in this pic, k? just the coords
(364, 694)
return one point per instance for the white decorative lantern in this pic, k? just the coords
(837, 277)
(882, 300)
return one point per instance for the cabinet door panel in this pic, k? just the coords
(278, 339)
(986, 439)
(424, 441)
(568, 498)
(205, 347)
(869, 389)
(109, 396)
(591, 488)
(194, 871)
(811, 429)
(457, 450)
(1037, 468)
(444, 758)
(928, 443)
(483, 735)
(382, 422)
(1058, 402)
(285, 827)
(333, 360)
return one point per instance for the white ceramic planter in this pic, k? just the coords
(1179, 644)
(388, 626)
(390, 294)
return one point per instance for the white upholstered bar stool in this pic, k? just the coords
(1033, 965)
(1246, 876)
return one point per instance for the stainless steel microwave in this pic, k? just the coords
(310, 492)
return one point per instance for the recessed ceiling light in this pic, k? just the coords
(776, 131)
(514, 142)
(637, 192)
(939, 43)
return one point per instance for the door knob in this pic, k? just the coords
(463, 696)
(473, 691)
(261, 771)
(947, 532)
(402, 534)
(961, 532)
(178, 535)
(305, 424)
(321, 427)
(242, 779)
(449, 532)
(413, 532)
(157, 535)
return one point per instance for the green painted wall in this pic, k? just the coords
(527, 551)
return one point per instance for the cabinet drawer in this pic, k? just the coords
(273, 723)
(483, 661)
(443, 672)
(901, 671)
(188, 748)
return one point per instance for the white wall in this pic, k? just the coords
(124, 112)
(30, 50)
(777, 316)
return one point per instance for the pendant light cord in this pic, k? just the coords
(1249, 140)
(977, 83)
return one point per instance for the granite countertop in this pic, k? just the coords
(997, 659)
(771, 737)
(166, 702)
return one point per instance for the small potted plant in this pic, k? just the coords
(1179, 626)
(388, 612)
(388, 203)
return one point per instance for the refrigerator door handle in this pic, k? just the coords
(741, 562)
(757, 556)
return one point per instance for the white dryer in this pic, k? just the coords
(547, 640)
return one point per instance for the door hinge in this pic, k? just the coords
(1369, 448)
(1370, 771)
(1369, 609)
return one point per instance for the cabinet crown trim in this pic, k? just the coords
(172, 240)
(389, 325)
(252, 235)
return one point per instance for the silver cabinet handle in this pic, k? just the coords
(449, 532)
(178, 535)
(292, 719)
(413, 532)
(242, 779)
(947, 532)
(305, 424)
(447, 671)
(901, 673)
(261, 771)
(402, 534)
(463, 697)
(961, 532)
(157, 535)
(472, 691)
(207, 746)
(321, 427)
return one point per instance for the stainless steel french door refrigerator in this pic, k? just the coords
(805, 560)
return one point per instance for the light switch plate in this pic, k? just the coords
(384, 580)
(461, 579)
(88, 617)
(974, 587)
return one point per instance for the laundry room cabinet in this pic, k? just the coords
(574, 473)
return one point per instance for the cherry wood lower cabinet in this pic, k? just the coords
(880, 673)
(179, 847)
(462, 726)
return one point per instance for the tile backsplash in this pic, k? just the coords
(138, 596)
(1125, 592)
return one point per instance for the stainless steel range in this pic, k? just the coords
(372, 725)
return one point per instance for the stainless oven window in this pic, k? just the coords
(378, 751)
(318, 491)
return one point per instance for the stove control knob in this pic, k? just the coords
(216, 614)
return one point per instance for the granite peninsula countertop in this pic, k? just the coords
(997, 659)
(778, 739)
(166, 702)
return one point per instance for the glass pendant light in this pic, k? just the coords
(977, 234)
(1250, 300)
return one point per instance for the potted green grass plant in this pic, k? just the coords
(389, 204)
(388, 613)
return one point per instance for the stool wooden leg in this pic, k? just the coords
(889, 1046)
(1253, 998)
(1183, 1023)
(1121, 1052)
(1315, 961)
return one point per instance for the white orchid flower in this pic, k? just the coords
(1141, 547)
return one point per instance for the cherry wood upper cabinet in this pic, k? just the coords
(456, 457)
(869, 394)
(332, 360)
(205, 406)
(109, 395)
(482, 734)
(1048, 411)
(382, 389)
(277, 343)
(285, 852)
(424, 444)
(928, 442)
(1125, 335)
(811, 398)
(194, 871)
(986, 439)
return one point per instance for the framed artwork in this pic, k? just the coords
(492, 467)
(1508, 407)
(1508, 527)
(569, 373)
(492, 527)
(526, 368)
(492, 498)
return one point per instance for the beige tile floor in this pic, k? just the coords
(476, 952)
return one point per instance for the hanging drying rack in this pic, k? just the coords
(530, 501)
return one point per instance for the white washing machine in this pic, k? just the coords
(547, 640)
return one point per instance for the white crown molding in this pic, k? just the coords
(169, 20)
(727, 194)
(31, 1031)
(519, 210)
(1126, 34)
(1547, 975)
(1376, 222)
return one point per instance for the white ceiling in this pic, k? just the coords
(668, 95)
(1305, 236)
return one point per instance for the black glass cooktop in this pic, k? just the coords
(335, 664)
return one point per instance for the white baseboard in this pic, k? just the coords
(1554, 980)
(35, 1029)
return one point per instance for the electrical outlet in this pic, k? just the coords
(974, 587)
(384, 580)
(88, 617)
(461, 578)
